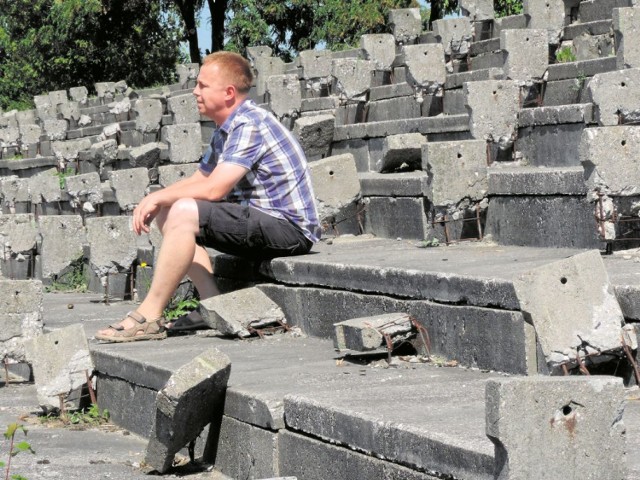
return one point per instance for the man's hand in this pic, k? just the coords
(144, 214)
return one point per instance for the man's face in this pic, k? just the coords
(213, 93)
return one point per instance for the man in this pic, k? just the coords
(251, 197)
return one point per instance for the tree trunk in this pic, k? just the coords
(218, 9)
(436, 12)
(188, 13)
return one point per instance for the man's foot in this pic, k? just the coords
(185, 323)
(133, 328)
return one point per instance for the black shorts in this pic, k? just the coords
(248, 232)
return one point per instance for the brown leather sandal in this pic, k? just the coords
(143, 330)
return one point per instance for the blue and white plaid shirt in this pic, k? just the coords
(278, 180)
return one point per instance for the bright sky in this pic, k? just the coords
(204, 31)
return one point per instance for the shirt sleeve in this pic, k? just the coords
(244, 146)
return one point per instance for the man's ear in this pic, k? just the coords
(230, 92)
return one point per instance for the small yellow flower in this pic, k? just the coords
(143, 264)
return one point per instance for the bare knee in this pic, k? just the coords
(183, 214)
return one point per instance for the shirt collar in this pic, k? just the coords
(226, 125)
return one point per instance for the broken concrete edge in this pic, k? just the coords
(192, 398)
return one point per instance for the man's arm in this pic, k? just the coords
(212, 187)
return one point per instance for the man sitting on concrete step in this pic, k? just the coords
(251, 197)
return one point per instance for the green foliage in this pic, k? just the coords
(504, 8)
(91, 416)
(294, 25)
(57, 44)
(433, 242)
(565, 54)
(62, 176)
(15, 448)
(17, 156)
(179, 306)
(73, 280)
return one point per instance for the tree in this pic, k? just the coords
(507, 7)
(188, 10)
(294, 25)
(440, 8)
(57, 44)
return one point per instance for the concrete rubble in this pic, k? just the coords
(518, 137)
(570, 416)
(242, 313)
(192, 398)
(573, 308)
(370, 333)
(62, 367)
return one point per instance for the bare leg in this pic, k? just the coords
(201, 274)
(179, 225)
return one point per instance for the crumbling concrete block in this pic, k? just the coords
(106, 91)
(565, 427)
(352, 77)
(253, 53)
(79, 94)
(285, 95)
(368, 333)
(170, 174)
(192, 398)
(44, 108)
(63, 239)
(549, 15)
(17, 233)
(526, 54)
(404, 149)
(45, 187)
(477, 10)
(26, 117)
(626, 25)
(456, 171)
(613, 93)
(573, 308)
(30, 133)
(68, 150)
(187, 73)
(104, 153)
(84, 189)
(493, 109)
(9, 136)
(20, 316)
(147, 155)
(58, 97)
(266, 67)
(148, 114)
(239, 312)
(405, 24)
(454, 34)
(425, 65)
(62, 365)
(335, 184)
(380, 48)
(315, 64)
(70, 112)
(607, 155)
(112, 244)
(130, 186)
(14, 191)
(315, 134)
(185, 144)
(184, 109)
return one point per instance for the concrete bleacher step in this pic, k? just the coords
(279, 379)
(550, 136)
(598, 27)
(550, 201)
(290, 402)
